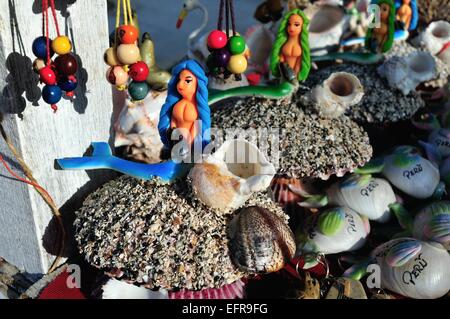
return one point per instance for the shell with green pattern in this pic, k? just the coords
(281, 39)
(371, 43)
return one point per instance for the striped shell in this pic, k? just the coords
(234, 290)
(333, 231)
(364, 194)
(414, 268)
(260, 241)
(433, 223)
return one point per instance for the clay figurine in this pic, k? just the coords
(379, 39)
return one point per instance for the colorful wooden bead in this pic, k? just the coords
(51, 94)
(66, 64)
(68, 84)
(139, 71)
(138, 90)
(47, 75)
(222, 57)
(237, 64)
(38, 64)
(217, 40)
(110, 57)
(127, 34)
(128, 53)
(116, 75)
(236, 45)
(61, 45)
(40, 48)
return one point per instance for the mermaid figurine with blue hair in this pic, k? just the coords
(186, 109)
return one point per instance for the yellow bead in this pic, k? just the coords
(237, 64)
(128, 53)
(61, 45)
(110, 57)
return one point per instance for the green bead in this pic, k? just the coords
(138, 90)
(236, 45)
(210, 62)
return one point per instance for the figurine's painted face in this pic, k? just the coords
(295, 24)
(187, 85)
(384, 9)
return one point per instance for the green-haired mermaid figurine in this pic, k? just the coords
(379, 39)
(290, 55)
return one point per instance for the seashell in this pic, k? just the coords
(137, 128)
(340, 91)
(435, 36)
(406, 73)
(234, 290)
(432, 223)
(411, 173)
(287, 190)
(335, 230)
(227, 178)
(366, 195)
(441, 139)
(326, 27)
(116, 289)
(414, 268)
(260, 241)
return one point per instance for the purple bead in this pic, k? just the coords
(222, 57)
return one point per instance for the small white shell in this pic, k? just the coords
(432, 223)
(340, 91)
(370, 198)
(436, 35)
(414, 175)
(422, 270)
(350, 236)
(227, 178)
(441, 139)
(406, 73)
(116, 289)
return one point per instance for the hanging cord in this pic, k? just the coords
(125, 15)
(46, 31)
(117, 23)
(220, 20)
(227, 17)
(233, 24)
(52, 5)
(130, 12)
(44, 194)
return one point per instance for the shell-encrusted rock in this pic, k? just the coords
(366, 195)
(158, 235)
(413, 268)
(235, 290)
(333, 231)
(299, 142)
(411, 173)
(435, 36)
(407, 72)
(432, 223)
(260, 241)
(433, 10)
(337, 93)
(226, 179)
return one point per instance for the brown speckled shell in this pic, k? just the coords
(260, 241)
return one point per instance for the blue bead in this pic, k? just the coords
(138, 90)
(67, 85)
(51, 94)
(40, 48)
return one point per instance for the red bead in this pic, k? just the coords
(139, 71)
(217, 39)
(66, 64)
(47, 75)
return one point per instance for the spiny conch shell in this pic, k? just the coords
(327, 25)
(333, 231)
(406, 73)
(340, 91)
(137, 127)
(227, 178)
(411, 173)
(116, 289)
(260, 241)
(414, 268)
(433, 224)
(364, 194)
(441, 139)
(234, 290)
(436, 35)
